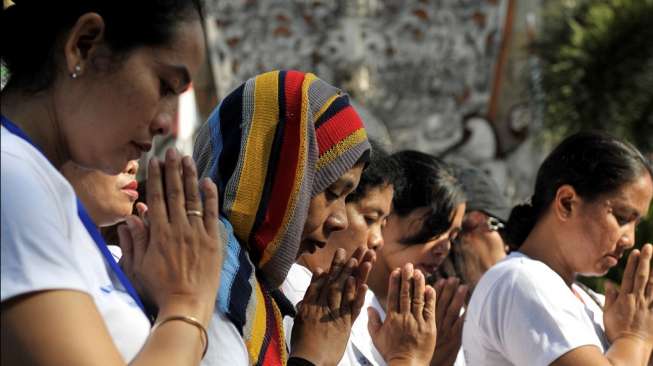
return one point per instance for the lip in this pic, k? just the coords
(133, 185)
(131, 189)
(613, 259)
(311, 245)
(143, 146)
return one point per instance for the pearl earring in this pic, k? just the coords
(75, 74)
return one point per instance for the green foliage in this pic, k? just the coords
(597, 68)
(4, 75)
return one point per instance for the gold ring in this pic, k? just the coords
(194, 213)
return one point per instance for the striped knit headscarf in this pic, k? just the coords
(271, 145)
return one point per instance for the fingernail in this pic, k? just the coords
(462, 289)
(171, 154)
(188, 163)
(130, 223)
(154, 162)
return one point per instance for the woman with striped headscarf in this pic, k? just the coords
(285, 149)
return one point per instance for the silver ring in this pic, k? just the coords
(194, 213)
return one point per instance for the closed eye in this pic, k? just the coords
(621, 220)
(370, 220)
(165, 88)
(331, 195)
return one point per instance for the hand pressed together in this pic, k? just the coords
(407, 335)
(331, 305)
(628, 312)
(451, 298)
(175, 259)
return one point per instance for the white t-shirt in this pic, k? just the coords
(226, 345)
(294, 288)
(45, 246)
(361, 349)
(523, 313)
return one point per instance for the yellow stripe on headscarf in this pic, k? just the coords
(341, 147)
(258, 329)
(272, 247)
(265, 118)
(325, 106)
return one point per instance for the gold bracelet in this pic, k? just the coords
(192, 321)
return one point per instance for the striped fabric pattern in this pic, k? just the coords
(270, 146)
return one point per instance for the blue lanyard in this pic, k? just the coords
(88, 224)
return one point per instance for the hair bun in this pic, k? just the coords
(520, 223)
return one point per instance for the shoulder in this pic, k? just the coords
(518, 283)
(35, 196)
(28, 178)
(519, 275)
(38, 222)
(525, 311)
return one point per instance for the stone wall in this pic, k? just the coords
(449, 77)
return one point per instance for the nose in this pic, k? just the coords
(375, 239)
(337, 219)
(132, 167)
(162, 124)
(628, 238)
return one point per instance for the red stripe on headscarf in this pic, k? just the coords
(337, 128)
(273, 353)
(287, 166)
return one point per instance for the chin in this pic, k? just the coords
(595, 273)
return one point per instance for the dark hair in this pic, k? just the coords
(429, 183)
(31, 31)
(380, 171)
(594, 163)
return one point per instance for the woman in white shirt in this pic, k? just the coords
(590, 193)
(93, 82)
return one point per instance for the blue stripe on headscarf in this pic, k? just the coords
(230, 266)
(216, 146)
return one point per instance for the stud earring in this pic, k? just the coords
(76, 73)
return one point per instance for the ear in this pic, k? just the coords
(84, 38)
(565, 202)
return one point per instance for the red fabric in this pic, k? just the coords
(337, 128)
(287, 164)
(273, 353)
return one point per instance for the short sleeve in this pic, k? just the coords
(36, 248)
(539, 318)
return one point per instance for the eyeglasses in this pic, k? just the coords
(491, 223)
(475, 221)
